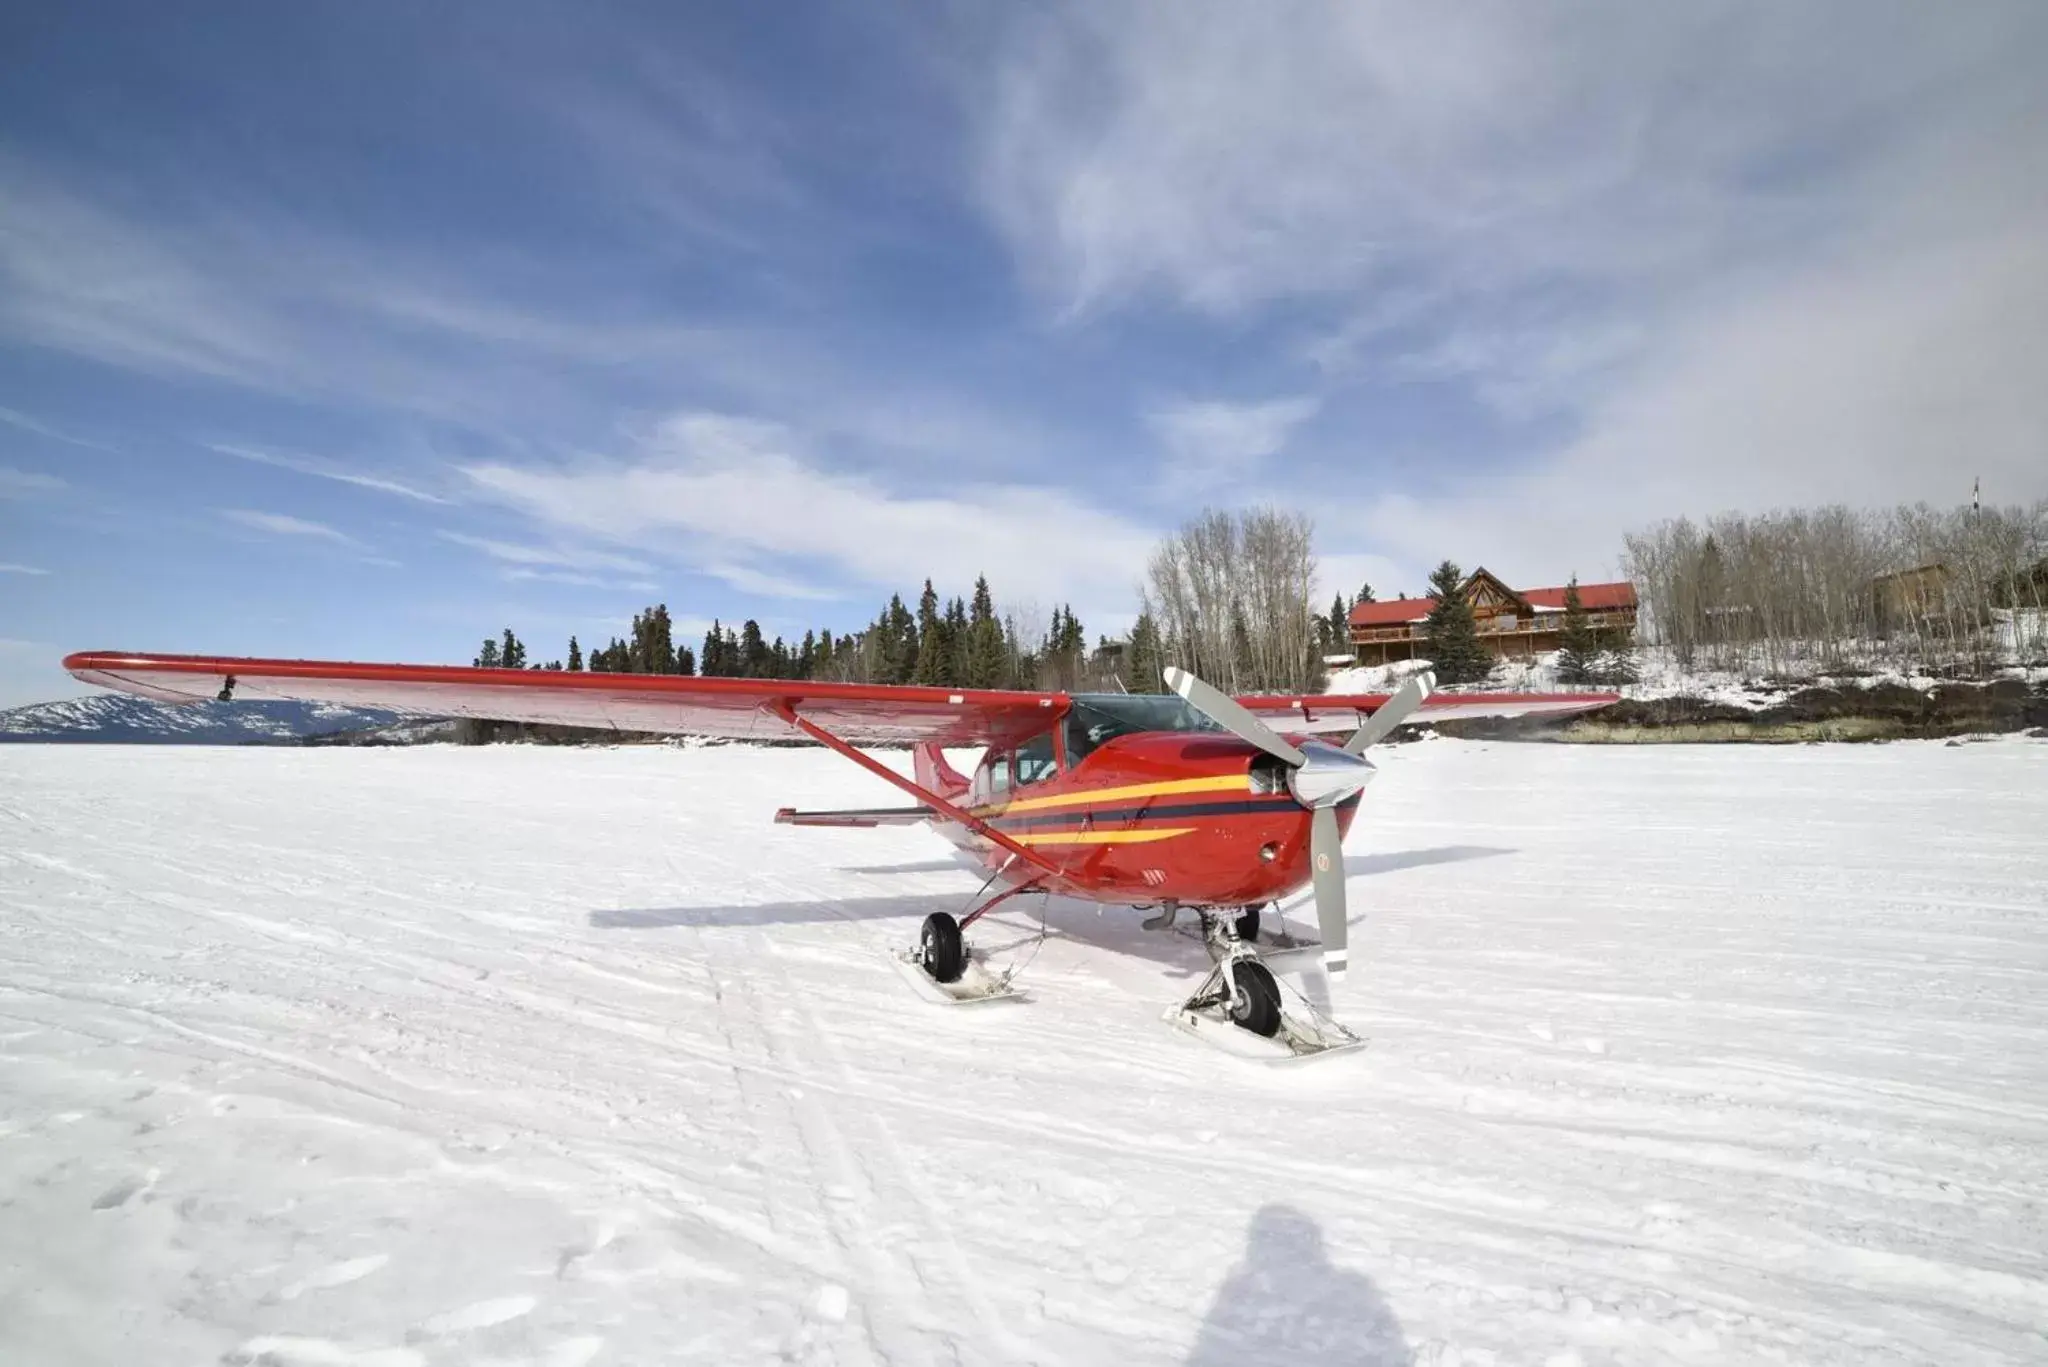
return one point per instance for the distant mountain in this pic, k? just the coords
(114, 718)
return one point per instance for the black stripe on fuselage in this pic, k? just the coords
(1163, 811)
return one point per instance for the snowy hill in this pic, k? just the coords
(113, 718)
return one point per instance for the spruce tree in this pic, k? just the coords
(934, 644)
(1145, 661)
(1616, 664)
(487, 658)
(754, 661)
(987, 662)
(575, 657)
(512, 654)
(686, 663)
(1364, 595)
(899, 642)
(1576, 645)
(1451, 633)
(955, 623)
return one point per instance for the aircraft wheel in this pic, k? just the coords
(1258, 998)
(940, 948)
(1248, 926)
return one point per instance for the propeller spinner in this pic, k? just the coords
(1319, 776)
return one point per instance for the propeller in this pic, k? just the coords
(1319, 776)
(1395, 712)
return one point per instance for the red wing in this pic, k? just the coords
(739, 709)
(1347, 711)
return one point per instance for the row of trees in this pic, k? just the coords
(958, 644)
(1229, 599)
(1791, 590)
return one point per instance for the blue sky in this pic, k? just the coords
(364, 330)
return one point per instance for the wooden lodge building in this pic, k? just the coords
(1511, 622)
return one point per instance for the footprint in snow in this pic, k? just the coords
(124, 1191)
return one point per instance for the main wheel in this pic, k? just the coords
(1248, 926)
(1258, 998)
(940, 948)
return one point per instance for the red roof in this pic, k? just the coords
(1592, 597)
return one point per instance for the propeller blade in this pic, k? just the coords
(1326, 859)
(1222, 709)
(1380, 723)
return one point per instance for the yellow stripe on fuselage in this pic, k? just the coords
(1215, 783)
(1142, 835)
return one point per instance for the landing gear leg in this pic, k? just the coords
(942, 967)
(1239, 1006)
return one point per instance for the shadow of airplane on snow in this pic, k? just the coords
(1114, 928)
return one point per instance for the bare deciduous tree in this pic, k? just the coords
(1231, 595)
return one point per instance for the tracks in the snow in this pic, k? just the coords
(914, 1298)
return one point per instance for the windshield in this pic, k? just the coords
(1097, 717)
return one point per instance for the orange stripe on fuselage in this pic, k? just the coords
(1142, 835)
(1213, 783)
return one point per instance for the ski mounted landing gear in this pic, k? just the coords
(1239, 1007)
(944, 969)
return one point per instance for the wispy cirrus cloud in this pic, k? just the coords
(1214, 442)
(551, 557)
(22, 569)
(322, 468)
(304, 529)
(28, 483)
(15, 418)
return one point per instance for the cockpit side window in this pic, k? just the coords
(1035, 762)
(995, 775)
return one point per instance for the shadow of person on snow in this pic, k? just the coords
(1286, 1303)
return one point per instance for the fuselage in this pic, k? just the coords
(1140, 816)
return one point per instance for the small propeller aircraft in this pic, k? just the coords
(1190, 801)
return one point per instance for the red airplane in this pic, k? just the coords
(1182, 801)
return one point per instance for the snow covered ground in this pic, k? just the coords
(565, 1056)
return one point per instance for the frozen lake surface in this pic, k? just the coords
(520, 1055)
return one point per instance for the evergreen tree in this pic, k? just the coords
(955, 626)
(898, 636)
(985, 658)
(487, 658)
(1145, 661)
(1364, 595)
(713, 660)
(686, 663)
(575, 657)
(512, 654)
(1616, 663)
(821, 666)
(807, 655)
(1451, 633)
(753, 660)
(933, 647)
(1576, 645)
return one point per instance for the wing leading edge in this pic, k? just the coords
(736, 709)
(1320, 712)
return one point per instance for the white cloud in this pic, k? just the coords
(321, 468)
(1689, 258)
(587, 581)
(27, 483)
(283, 524)
(15, 418)
(1215, 443)
(21, 569)
(563, 557)
(720, 491)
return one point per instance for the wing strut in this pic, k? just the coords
(782, 708)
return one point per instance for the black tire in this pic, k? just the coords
(941, 949)
(1258, 998)
(1248, 926)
